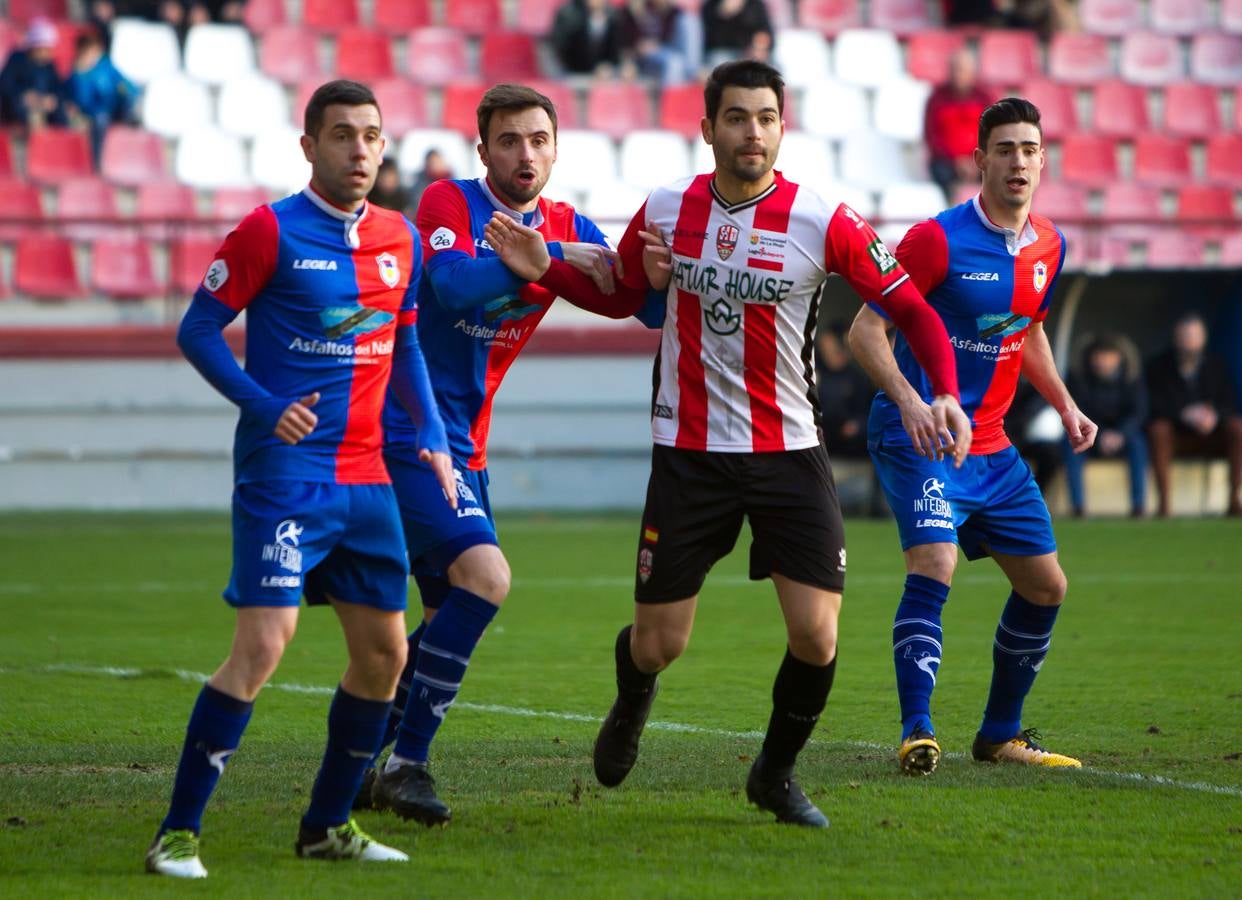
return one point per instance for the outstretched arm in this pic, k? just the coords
(1041, 371)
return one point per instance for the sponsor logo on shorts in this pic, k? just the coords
(646, 559)
(465, 512)
(939, 512)
(662, 411)
(280, 581)
(464, 491)
(285, 552)
(841, 563)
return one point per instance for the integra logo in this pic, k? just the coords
(980, 276)
(323, 265)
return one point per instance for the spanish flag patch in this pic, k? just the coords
(650, 535)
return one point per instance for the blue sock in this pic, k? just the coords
(443, 655)
(403, 687)
(916, 649)
(1022, 639)
(355, 729)
(211, 737)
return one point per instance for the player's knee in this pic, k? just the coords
(261, 655)
(654, 649)
(935, 561)
(490, 581)
(815, 648)
(1050, 591)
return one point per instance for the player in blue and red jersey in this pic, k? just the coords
(988, 267)
(475, 317)
(329, 286)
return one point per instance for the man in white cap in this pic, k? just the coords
(31, 90)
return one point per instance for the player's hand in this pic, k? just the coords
(1079, 429)
(596, 262)
(657, 257)
(952, 428)
(442, 465)
(919, 422)
(297, 421)
(520, 248)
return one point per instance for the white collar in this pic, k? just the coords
(1014, 242)
(351, 220)
(499, 204)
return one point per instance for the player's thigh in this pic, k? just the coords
(368, 564)
(375, 635)
(482, 570)
(811, 615)
(1013, 518)
(928, 498)
(1039, 579)
(795, 518)
(692, 518)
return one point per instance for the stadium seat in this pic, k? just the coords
(1161, 160)
(1119, 109)
(650, 158)
(121, 268)
(1231, 249)
(290, 54)
(583, 158)
(474, 17)
(910, 202)
(174, 104)
(834, 109)
(216, 53)
(363, 55)
(44, 268)
(806, 159)
(188, 258)
(1076, 57)
(1191, 111)
(1216, 59)
(898, 108)
(1058, 201)
(457, 153)
(872, 161)
(903, 18)
(54, 154)
(437, 56)
(330, 15)
(1008, 57)
(276, 160)
(868, 57)
(1224, 160)
(617, 108)
(404, 105)
(164, 207)
(208, 158)
(22, 11)
(1182, 17)
(1110, 17)
(802, 56)
(1174, 249)
(613, 201)
(830, 17)
(229, 205)
(928, 54)
(564, 98)
(400, 16)
(144, 51)
(87, 206)
(1088, 159)
(1151, 59)
(1230, 13)
(457, 111)
(508, 56)
(1210, 204)
(681, 109)
(261, 16)
(21, 208)
(67, 33)
(6, 156)
(10, 38)
(1058, 110)
(861, 200)
(132, 156)
(252, 104)
(1126, 203)
(535, 17)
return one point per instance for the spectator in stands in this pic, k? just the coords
(388, 191)
(659, 40)
(31, 91)
(951, 123)
(586, 35)
(435, 167)
(98, 92)
(1045, 17)
(971, 12)
(845, 394)
(1109, 389)
(733, 29)
(1193, 410)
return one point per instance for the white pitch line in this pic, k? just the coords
(678, 727)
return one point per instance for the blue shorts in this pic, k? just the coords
(435, 533)
(338, 541)
(990, 503)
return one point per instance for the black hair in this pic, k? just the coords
(1009, 111)
(340, 92)
(743, 73)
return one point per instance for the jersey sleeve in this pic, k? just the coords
(245, 261)
(408, 314)
(443, 219)
(924, 254)
(588, 232)
(631, 251)
(459, 278)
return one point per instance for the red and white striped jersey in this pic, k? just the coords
(735, 371)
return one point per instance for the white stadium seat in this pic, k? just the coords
(867, 56)
(872, 161)
(276, 160)
(807, 159)
(216, 53)
(861, 200)
(911, 201)
(832, 109)
(650, 158)
(802, 56)
(613, 201)
(898, 108)
(583, 158)
(209, 158)
(173, 104)
(252, 104)
(144, 50)
(452, 146)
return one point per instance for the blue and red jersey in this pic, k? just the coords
(475, 314)
(988, 284)
(325, 292)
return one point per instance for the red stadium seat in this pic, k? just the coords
(1161, 160)
(6, 155)
(681, 109)
(902, 17)
(10, 38)
(1009, 57)
(400, 16)
(1151, 59)
(188, 259)
(437, 56)
(1180, 16)
(458, 109)
(1174, 249)
(404, 105)
(1120, 109)
(928, 53)
(88, 198)
(1216, 59)
(67, 33)
(1111, 17)
(132, 156)
(508, 56)
(54, 154)
(290, 54)
(618, 107)
(534, 17)
(474, 17)
(1210, 203)
(564, 98)
(1231, 16)
(261, 16)
(21, 208)
(165, 207)
(121, 268)
(1224, 159)
(44, 268)
(330, 15)
(1128, 203)
(230, 205)
(363, 55)
(22, 11)
(1057, 200)
(1088, 159)
(1190, 110)
(1079, 58)
(830, 17)
(1058, 111)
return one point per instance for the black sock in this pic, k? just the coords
(629, 679)
(798, 697)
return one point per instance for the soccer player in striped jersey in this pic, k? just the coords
(988, 267)
(734, 417)
(329, 285)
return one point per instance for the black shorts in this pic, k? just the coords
(695, 504)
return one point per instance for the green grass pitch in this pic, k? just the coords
(107, 618)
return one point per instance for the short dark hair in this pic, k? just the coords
(1009, 111)
(510, 97)
(342, 92)
(743, 73)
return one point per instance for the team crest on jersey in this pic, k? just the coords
(726, 241)
(1041, 276)
(389, 273)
